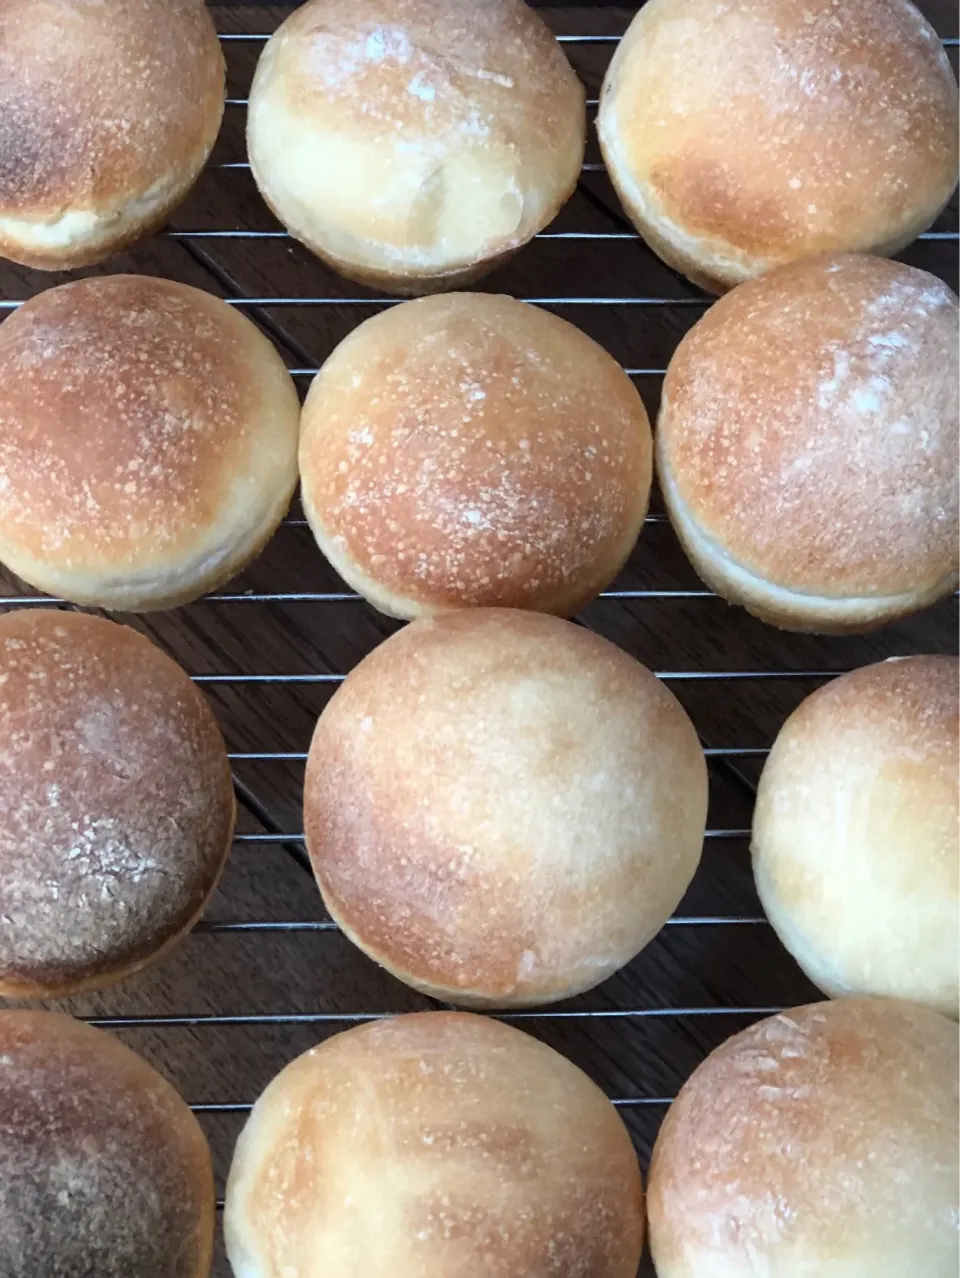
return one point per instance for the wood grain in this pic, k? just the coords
(640, 1058)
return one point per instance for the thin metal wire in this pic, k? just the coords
(297, 836)
(360, 1018)
(668, 676)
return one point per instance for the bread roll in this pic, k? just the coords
(104, 1171)
(807, 444)
(413, 144)
(856, 831)
(821, 1143)
(148, 442)
(116, 803)
(742, 136)
(502, 808)
(108, 112)
(474, 450)
(439, 1145)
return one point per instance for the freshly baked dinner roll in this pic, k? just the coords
(473, 450)
(148, 442)
(413, 144)
(108, 112)
(807, 444)
(856, 833)
(742, 136)
(438, 1145)
(104, 1171)
(116, 804)
(502, 808)
(821, 1143)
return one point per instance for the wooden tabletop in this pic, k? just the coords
(266, 975)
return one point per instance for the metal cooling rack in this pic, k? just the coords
(294, 839)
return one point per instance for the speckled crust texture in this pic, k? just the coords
(742, 136)
(502, 806)
(473, 450)
(104, 1171)
(148, 439)
(807, 443)
(108, 111)
(855, 833)
(415, 143)
(116, 802)
(438, 1145)
(821, 1143)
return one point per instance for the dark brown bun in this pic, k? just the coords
(856, 831)
(502, 808)
(471, 450)
(108, 111)
(148, 442)
(821, 1143)
(413, 144)
(432, 1146)
(807, 444)
(742, 136)
(104, 1171)
(116, 802)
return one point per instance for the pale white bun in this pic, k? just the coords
(856, 833)
(807, 444)
(502, 808)
(742, 136)
(104, 1171)
(148, 442)
(438, 1145)
(471, 450)
(821, 1143)
(116, 803)
(108, 112)
(413, 144)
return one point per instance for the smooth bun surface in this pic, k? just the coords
(502, 808)
(856, 831)
(821, 1143)
(742, 136)
(103, 1168)
(108, 111)
(148, 442)
(807, 444)
(438, 1145)
(116, 802)
(414, 143)
(473, 450)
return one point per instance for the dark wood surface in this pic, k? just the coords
(716, 971)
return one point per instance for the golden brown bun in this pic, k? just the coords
(742, 136)
(413, 144)
(807, 444)
(104, 1171)
(439, 1145)
(503, 808)
(148, 442)
(856, 832)
(821, 1143)
(472, 450)
(108, 111)
(116, 803)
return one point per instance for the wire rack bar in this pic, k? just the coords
(668, 676)
(361, 1018)
(230, 37)
(244, 1107)
(300, 756)
(256, 926)
(297, 836)
(592, 236)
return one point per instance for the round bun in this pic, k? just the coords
(473, 450)
(474, 1148)
(821, 1143)
(148, 442)
(807, 444)
(743, 136)
(116, 803)
(103, 1168)
(502, 808)
(413, 144)
(856, 831)
(107, 115)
